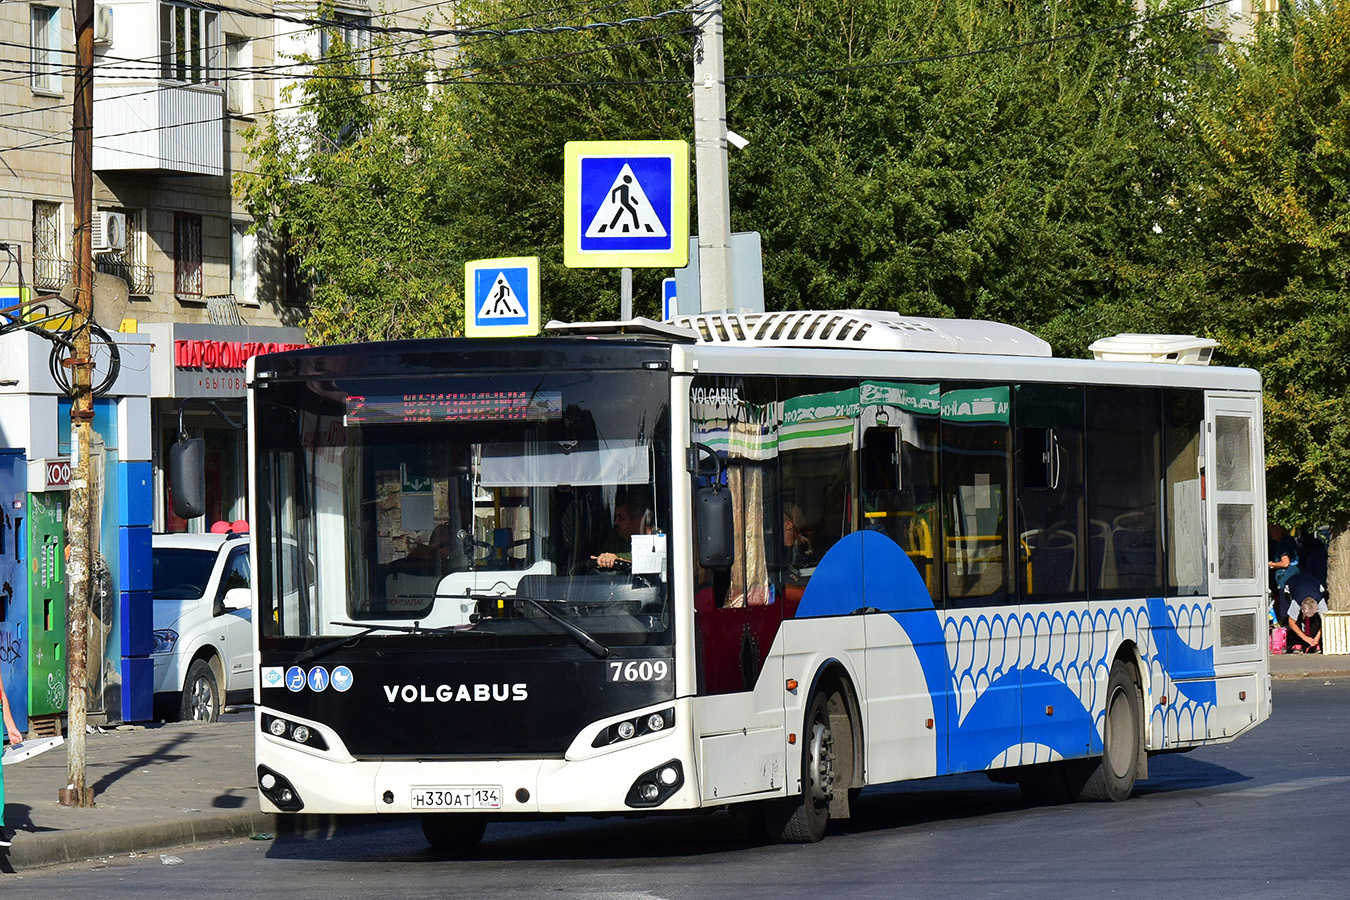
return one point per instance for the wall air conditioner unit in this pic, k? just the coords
(103, 24)
(110, 231)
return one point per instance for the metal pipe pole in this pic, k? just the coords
(82, 518)
(710, 160)
(625, 294)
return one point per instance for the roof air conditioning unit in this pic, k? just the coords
(1178, 349)
(103, 24)
(110, 231)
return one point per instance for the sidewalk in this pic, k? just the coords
(158, 786)
(164, 786)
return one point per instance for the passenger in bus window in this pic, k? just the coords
(632, 515)
(798, 558)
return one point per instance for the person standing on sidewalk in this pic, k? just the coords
(12, 731)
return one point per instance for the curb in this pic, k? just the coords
(35, 850)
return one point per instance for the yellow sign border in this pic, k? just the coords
(532, 311)
(677, 257)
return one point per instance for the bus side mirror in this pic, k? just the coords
(187, 477)
(715, 528)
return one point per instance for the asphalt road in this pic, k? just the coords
(1266, 816)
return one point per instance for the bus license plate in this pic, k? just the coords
(480, 797)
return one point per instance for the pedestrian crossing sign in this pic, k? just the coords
(501, 297)
(626, 204)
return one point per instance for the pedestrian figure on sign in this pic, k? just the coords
(501, 305)
(627, 204)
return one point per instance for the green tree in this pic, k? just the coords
(1012, 161)
(1275, 202)
(894, 163)
(347, 183)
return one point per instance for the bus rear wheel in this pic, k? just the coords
(453, 832)
(826, 757)
(1112, 778)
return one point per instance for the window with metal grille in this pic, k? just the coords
(50, 269)
(187, 254)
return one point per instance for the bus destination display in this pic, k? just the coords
(454, 406)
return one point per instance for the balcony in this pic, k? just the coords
(159, 126)
(140, 279)
(51, 274)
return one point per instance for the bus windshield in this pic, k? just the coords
(532, 507)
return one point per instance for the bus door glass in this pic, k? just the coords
(737, 609)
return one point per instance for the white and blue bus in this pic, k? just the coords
(848, 548)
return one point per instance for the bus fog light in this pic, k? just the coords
(301, 733)
(279, 791)
(278, 727)
(655, 786)
(626, 730)
(655, 722)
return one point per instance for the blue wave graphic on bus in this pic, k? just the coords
(980, 704)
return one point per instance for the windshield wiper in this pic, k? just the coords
(329, 646)
(591, 645)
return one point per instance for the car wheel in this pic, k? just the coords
(201, 694)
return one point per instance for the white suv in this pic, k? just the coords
(203, 648)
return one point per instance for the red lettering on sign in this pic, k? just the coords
(223, 354)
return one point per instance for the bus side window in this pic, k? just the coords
(1124, 473)
(976, 464)
(1051, 531)
(898, 471)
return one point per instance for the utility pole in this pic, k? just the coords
(710, 160)
(82, 518)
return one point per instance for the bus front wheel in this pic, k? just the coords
(1122, 739)
(453, 832)
(802, 819)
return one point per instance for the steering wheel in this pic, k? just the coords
(620, 565)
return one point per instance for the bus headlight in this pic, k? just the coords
(635, 727)
(289, 731)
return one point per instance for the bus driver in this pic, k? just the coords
(631, 516)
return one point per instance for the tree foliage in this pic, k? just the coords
(1275, 199)
(346, 179)
(1007, 161)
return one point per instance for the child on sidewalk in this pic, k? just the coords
(12, 730)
